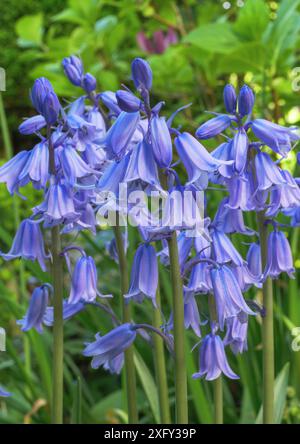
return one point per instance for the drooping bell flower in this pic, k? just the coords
(28, 244)
(144, 275)
(113, 175)
(213, 361)
(184, 245)
(120, 134)
(236, 333)
(242, 194)
(37, 167)
(84, 281)
(224, 250)
(245, 278)
(106, 348)
(89, 82)
(141, 74)
(73, 166)
(191, 315)
(230, 220)
(142, 166)
(115, 365)
(36, 310)
(267, 172)
(214, 126)
(229, 96)
(11, 170)
(73, 69)
(199, 280)
(32, 125)
(128, 102)
(161, 142)
(58, 206)
(294, 214)
(245, 100)
(227, 294)
(240, 149)
(69, 310)
(196, 159)
(282, 197)
(275, 136)
(4, 393)
(279, 257)
(254, 260)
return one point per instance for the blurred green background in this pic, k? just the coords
(250, 41)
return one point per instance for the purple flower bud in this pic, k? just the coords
(141, 74)
(120, 134)
(213, 127)
(11, 170)
(229, 96)
(108, 347)
(37, 309)
(245, 100)
(254, 260)
(28, 244)
(128, 102)
(73, 69)
(144, 274)
(40, 89)
(32, 125)
(227, 294)
(279, 257)
(89, 83)
(161, 141)
(213, 361)
(240, 150)
(51, 108)
(110, 101)
(84, 281)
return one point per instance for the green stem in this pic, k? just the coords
(179, 332)
(126, 317)
(160, 365)
(58, 325)
(267, 329)
(218, 383)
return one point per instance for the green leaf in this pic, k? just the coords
(281, 384)
(252, 20)
(30, 30)
(246, 57)
(213, 37)
(109, 403)
(105, 24)
(70, 16)
(148, 384)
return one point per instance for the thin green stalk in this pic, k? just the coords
(160, 365)
(58, 325)
(16, 213)
(267, 329)
(179, 332)
(218, 383)
(126, 317)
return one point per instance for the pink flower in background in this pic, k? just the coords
(159, 43)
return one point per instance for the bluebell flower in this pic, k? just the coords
(227, 294)
(51, 108)
(191, 315)
(196, 159)
(73, 69)
(11, 170)
(268, 173)
(111, 247)
(115, 365)
(69, 310)
(106, 348)
(254, 260)
(113, 175)
(245, 100)
(58, 206)
(45, 100)
(32, 125)
(84, 281)
(141, 74)
(230, 100)
(36, 310)
(242, 195)
(214, 126)
(224, 152)
(161, 141)
(240, 149)
(245, 278)
(236, 333)
(199, 280)
(4, 393)
(230, 220)
(36, 168)
(283, 197)
(144, 275)
(73, 165)
(277, 137)
(279, 256)
(213, 361)
(89, 82)
(110, 101)
(184, 245)
(28, 244)
(128, 102)
(120, 135)
(224, 250)
(294, 214)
